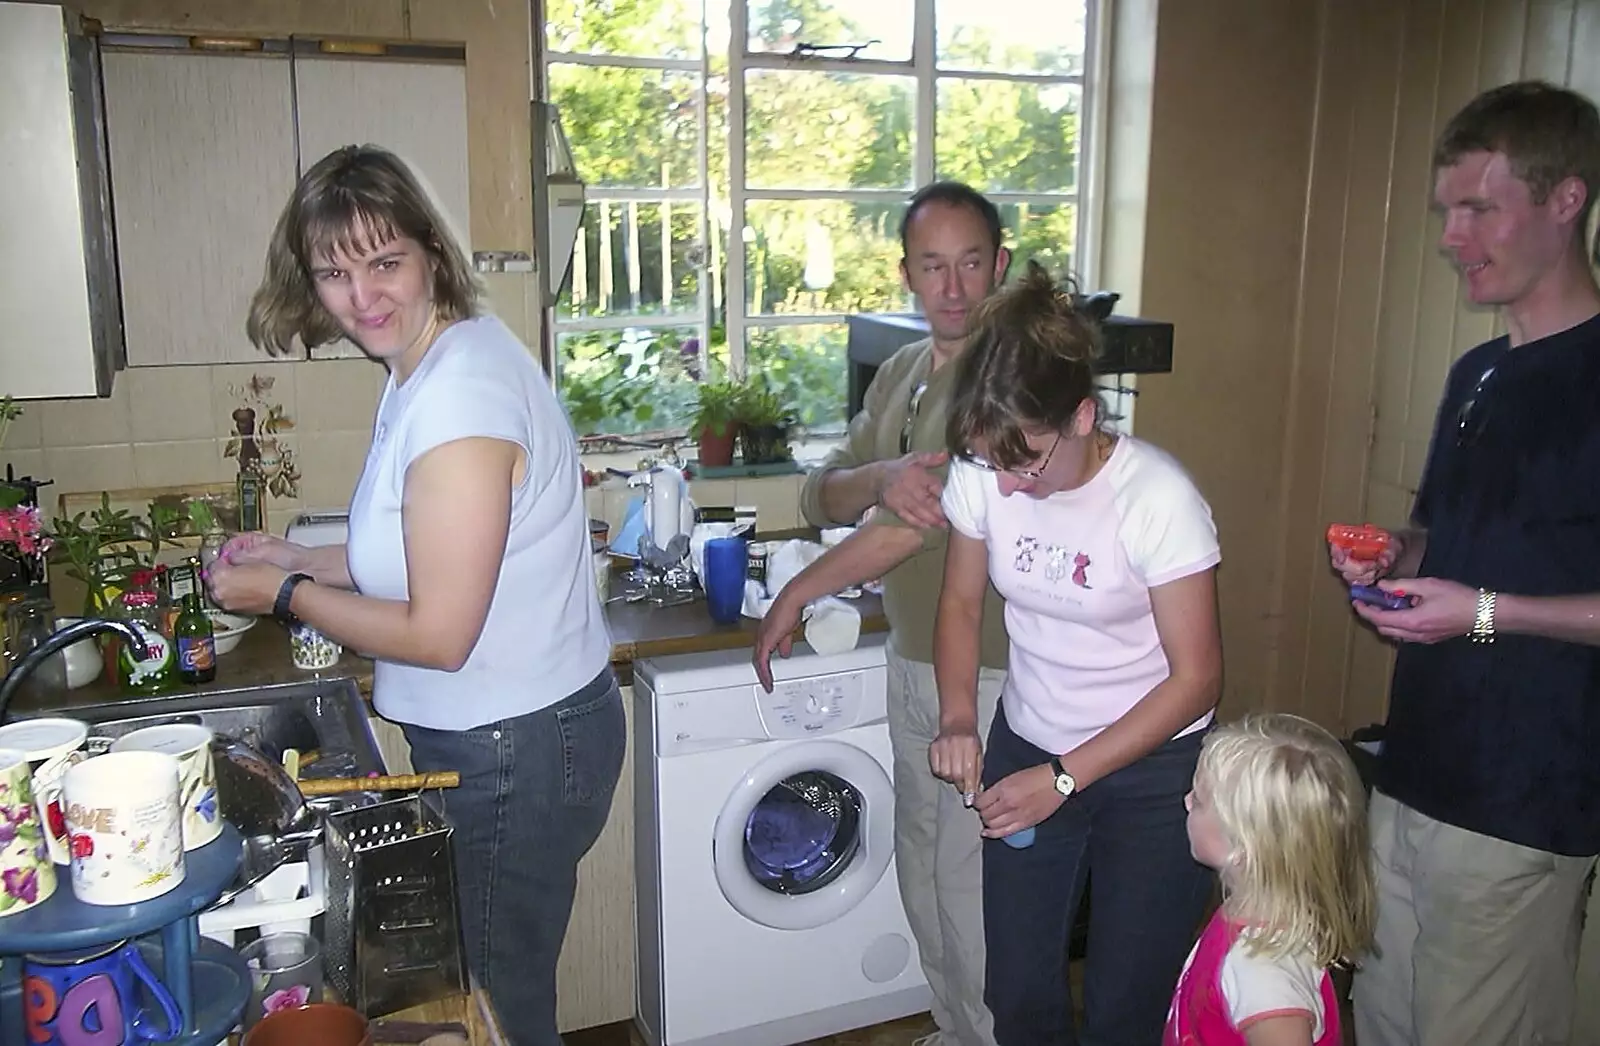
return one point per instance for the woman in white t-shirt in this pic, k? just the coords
(1106, 555)
(466, 575)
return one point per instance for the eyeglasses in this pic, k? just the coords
(1033, 473)
(1474, 410)
(911, 416)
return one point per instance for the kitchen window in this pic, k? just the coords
(748, 163)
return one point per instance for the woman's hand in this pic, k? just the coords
(1367, 571)
(956, 755)
(1019, 801)
(245, 588)
(256, 547)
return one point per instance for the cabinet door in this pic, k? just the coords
(202, 162)
(416, 110)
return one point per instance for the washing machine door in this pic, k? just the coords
(805, 835)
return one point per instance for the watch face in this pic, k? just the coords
(1065, 784)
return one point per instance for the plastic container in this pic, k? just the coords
(284, 902)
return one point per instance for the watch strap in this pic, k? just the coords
(280, 606)
(1060, 772)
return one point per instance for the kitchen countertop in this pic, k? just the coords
(638, 630)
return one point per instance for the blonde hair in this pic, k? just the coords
(1299, 872)
(352, 200)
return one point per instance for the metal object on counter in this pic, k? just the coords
(392, 929)
(258, 797)
(60, 640)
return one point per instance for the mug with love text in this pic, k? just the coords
(125, 827)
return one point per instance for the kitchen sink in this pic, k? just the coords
(328, 717)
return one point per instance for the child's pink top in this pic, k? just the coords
(1076, 569)
(1224, 990)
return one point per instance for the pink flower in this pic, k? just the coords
(290, 998)
(20, 526)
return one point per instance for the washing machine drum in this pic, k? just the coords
(803, 833)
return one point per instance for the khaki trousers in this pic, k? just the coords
(1477, 938)
(938, 852)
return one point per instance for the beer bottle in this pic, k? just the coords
(197, 647)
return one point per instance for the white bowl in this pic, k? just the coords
(227, 629)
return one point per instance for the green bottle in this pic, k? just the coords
(157, 673)
(197, 646)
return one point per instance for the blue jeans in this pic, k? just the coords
(535, 793)
(1127, 833)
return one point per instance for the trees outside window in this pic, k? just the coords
(742, 201)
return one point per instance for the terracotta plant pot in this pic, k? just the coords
(716, 448)
(320, 1024)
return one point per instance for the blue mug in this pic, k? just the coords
(91, 998)
(726, 562)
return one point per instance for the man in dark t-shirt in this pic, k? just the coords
(1486, 816)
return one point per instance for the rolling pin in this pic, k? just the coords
(397, 783)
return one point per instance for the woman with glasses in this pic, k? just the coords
(1106, 555)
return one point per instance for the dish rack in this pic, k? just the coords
(285, 901)
(392, 928)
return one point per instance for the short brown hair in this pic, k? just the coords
(1029, 363)
(1548, 133)
(354, 194)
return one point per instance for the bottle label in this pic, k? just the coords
(196, 654)
(154, 665)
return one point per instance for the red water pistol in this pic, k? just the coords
(1359, 542)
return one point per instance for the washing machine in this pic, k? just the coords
(768, 912)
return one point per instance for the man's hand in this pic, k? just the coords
(1443, 610)
(1366, 571)
(1017, 801)
(776, 632)
(908, 488)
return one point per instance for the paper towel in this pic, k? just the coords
(832, 626)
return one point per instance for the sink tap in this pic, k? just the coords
(58, 640)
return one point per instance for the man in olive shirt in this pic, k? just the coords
(894, 464)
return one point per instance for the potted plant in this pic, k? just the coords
(715, 422)
(763, 425)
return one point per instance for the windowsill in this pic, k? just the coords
(808, 453)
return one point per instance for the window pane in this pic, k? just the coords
(998, 135)
(884, 25)
(619, 266)
(805, 366)
(819, 256)
(828, 130)
(1045, 233)
(629, 381)
(633, 127)
(1011, 36)
(640, 28)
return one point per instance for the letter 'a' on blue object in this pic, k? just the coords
(1019, 840)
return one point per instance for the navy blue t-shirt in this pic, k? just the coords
(1503, 738)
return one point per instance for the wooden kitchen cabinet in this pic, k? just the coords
(417, 110)
(202, 161)
(594, 981)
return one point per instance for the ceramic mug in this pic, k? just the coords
(190, 744)
(53, 746)
(27, 875)
(322, 1023)
(285, 973)
(126, 827)
(91, 997)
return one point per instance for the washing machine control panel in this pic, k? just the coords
(813, 705)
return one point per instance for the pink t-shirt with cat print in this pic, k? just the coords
(1076, 569)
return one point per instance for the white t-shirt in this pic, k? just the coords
(1257, 987)
(1076, 569)
(545, 636)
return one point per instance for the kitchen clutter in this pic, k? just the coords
(171, 882)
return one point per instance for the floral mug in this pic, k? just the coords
(27, 874)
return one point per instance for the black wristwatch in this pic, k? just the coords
(1066, 784)
(280, 606)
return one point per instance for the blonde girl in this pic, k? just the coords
(1279, 811)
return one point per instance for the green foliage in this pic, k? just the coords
(103, 548)
(804, 129)
(717, 406)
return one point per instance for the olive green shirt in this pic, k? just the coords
(910, 590)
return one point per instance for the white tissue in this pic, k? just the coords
(704, 532)
(832, 626)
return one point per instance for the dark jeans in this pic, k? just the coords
(535, 792)
(1127, 832)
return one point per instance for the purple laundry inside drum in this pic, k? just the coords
(785, 834)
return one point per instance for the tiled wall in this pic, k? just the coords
(168, 426)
